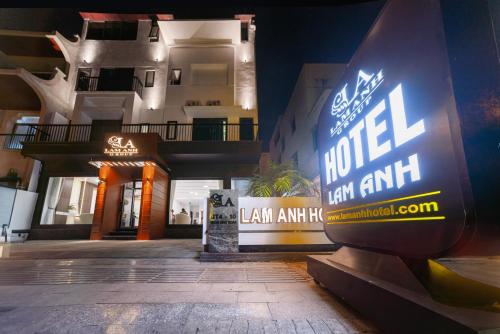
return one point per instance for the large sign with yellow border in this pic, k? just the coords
(391, 155)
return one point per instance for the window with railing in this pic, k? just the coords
(20, 133)
(109, 80)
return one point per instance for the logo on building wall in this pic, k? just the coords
(348, 103)
(118, 147)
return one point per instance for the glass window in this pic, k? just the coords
(131, 205)
(295, 160)
(244, 31)
(154, 33)
(277, 138)
(69, 200)
(150, 78)
(172, 130)
(315, 137)
(188, 200)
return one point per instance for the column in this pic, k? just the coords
(98, 219)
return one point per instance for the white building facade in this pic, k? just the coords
(180, 70)
(185, 90)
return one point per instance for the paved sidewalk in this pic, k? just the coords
(175, 294)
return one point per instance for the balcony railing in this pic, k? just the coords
(83, 133)
(93, 84)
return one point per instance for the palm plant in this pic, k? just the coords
(280, 180)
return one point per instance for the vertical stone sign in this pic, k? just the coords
(222, 227)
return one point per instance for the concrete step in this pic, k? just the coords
(123, 232)
(119, 237)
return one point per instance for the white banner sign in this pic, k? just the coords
(280, 221)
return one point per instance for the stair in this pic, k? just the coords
(121, 235)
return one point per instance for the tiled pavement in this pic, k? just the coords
(163, 295)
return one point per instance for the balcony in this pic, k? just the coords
(86, 133)
(189, 149)
(99, 84)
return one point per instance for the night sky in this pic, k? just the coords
(286, 38)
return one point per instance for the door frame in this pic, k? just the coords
(132, 217)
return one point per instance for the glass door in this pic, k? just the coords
(131, 205)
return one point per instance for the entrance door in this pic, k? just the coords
(115, 79)
(209, 128)
(100, 127)
(131, 205)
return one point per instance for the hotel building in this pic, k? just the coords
(141, 117)
(295, 134)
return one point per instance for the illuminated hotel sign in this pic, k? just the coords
(389, 141)
(118, 147)
(383, 128)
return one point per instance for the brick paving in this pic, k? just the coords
(86, 287)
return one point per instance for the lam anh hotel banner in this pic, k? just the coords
(281, 221)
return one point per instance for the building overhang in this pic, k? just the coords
(89, 155)
(123, 17)
(67, 157)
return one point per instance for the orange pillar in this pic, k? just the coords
(153, 215)
(144, 229)
(97, 222)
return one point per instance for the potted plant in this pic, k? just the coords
(13, 178)
(281, 180)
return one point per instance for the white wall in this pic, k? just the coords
(185, 31)
(182, 44)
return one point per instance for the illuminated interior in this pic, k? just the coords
(190, 195)
(69, 200)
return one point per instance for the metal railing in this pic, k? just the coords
(83, 133)
(91, 84)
